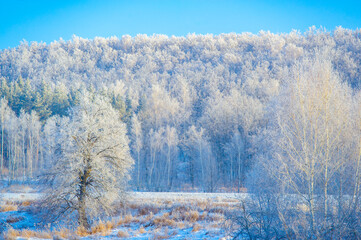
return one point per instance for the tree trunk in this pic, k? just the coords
(169, 167)
(138, 172)
(82, 218)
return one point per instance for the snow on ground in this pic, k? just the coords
(149, 215)
(25, 196)
(20, 197)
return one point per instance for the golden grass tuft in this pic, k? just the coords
(26, 203)
(103, 228)
(11, 234)
(109, 225)
(8, 207)
(82, 231)
(196, 227)
(99, 228)
(33, 234)
(126, 220)
(14, 234)
(164, 220)
(192, 216)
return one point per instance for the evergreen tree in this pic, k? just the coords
(41, 107)
(60, 103)
(27, 97)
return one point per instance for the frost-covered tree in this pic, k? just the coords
(219, 83)
(171, 140)
(137, 143)
(195, 146)
(310, 150)
(93, 161)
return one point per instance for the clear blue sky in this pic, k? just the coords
(48, 20)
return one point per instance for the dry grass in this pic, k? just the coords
(202, 204)
(62, 233)
(216, 217)
(166, 235)
(127, 220)
(82, 231)
(8, 207)
(216, 210)
(33, 234)
(142, 230)
(122, 234)
(148, 218)
(26, 203)
(102, 228)
(11, 234)
(181, 225)
(203, 216)
(145, 210)
(192, 216)
(180, 214)
(196, 227)
(163, 220)
(158, 218)
(131, 205)
(14, 234)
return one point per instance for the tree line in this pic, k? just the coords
(195, 107)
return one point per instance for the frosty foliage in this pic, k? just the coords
(307, 168)
(93, 160)
(219, 88)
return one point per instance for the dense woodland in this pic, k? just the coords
(202, 111)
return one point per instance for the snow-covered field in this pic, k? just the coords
(25, 196)
(148, 215)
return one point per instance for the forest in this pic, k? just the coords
(202, 112)
(275, 118)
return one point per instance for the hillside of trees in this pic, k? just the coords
(202, 112)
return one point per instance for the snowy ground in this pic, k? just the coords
(26, 196)
(149, 215)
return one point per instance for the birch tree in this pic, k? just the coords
(312, 139)
(137, 143)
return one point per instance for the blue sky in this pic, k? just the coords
(49, 20)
